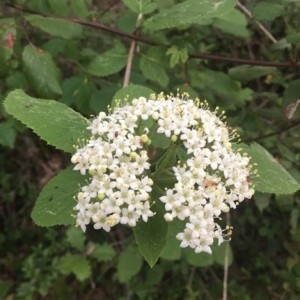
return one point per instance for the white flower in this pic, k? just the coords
(210, 179)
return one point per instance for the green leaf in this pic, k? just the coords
(168, 159)
(219, 252)
(7, 135)
(164, 178)
(246, 73)
(265, 11)
(172, 250)
(8, 34)
(129, 264)
(152, 68)
(177, 55)
(273, 178)
(54, 122)
(189, 12)
(293, 38)
(54, 205)
(198, 259)
(80, 9)
(181, 154)
(234, 22)
(76, 264)
(41, 72)
(261, 200)
(76, 237)
(56, 27)
(219, 86)
(128, 93)
(104, 252)
(141, 6)
(109, 62)
(151, 236)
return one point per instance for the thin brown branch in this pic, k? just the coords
(248, 13)
(277, 132)
(98, 25)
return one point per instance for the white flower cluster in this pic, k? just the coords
(212, 179)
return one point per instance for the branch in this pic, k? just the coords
(248, 13)
(98, 25)
(277, 132)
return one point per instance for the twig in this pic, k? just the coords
(248, 13)
(131, 52)
(129, 64)
(98, 25)
(294, 124)
(226, 263)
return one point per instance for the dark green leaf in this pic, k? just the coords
(198, 259)
(7, 135)
(54, 122)
(76, 264)
(80, 9)
(109, 62)
(129, 264)
(164, 178)
(141, 6)
(219, 253)
(189, 12)
(76, 238)
(246, 73)
(41, 72)
(234, 22)
(54, 205)
(272, 177)
(168, 159)
(152, 68)
(151, 236)
(56, 27)
(127, 94)
(103, 252)
(265, 11)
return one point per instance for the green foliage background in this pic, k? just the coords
(75, 52)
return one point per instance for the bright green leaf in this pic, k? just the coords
(7, 135)
(151, 235)
(189, 12)
(141, 6)
(54, 205)
(56, 27)
(129, 264)
(177, 55)
(41, 72)
(76, 264)
(127, 94)
(272, 177)
(54, 122)
(109, 62)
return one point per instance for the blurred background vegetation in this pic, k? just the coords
(242, 57)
